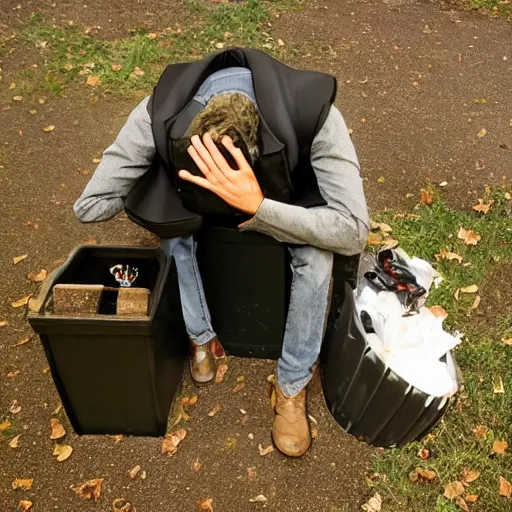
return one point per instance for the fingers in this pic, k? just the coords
(236, 152)
(197, 180)
(198, 160)
(208, 156)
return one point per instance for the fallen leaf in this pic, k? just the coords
(68, 66)
(469, 476)
(481, 133)
(499, 447)
(472, 498)
(193, 400)
(15, 407)
(57, 409)
(17, 259)
(476, 302)
(217, 349)
(62, 452)
(117, 438)
(93, 81)
(453, 490)
(143, 475)
(443, 254)
(374, 239)
(89, 490)
(137, 73)
(505, 488)
(58, 430)
(456, 294)
(205, 505)
(468, 236)
(438, 311)
(15, 441)
(49, 128)
(374, 504)
(215, 410)
(96, 160)
(116, 67)
(5, 425)
(407, 216)
(423, 454)
(12, 86)
(17, 98)
(21, 302)
(482, 207)
(238, 387)
(280, 43)
(470, 289)
(41, 100)
(152, 35)
(134, 472)
(37, 278)
(480, 431)
(197, 466)
(4, 323)
(221, 372)
(251, 474)
(443, 184)
(172, 440)
(13, 374)
(121, 505)
(507, 341)
(381, 226)
(459, 500)
(219, 45)
(265, 451)
(21, 342)
(426, 474)
(23, 483)
(314, 432)
(258, 499)
(390, 243)
(381, 179)
(26, 505)
(499, 388)
(426, 197)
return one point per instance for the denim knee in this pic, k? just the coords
(312, 262)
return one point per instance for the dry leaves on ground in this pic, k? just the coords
(62, 452)
(90, 490)
(17, 259)
(116, 67)
(505, 488)
(251, 473)
(205, 505)
(472, 498)
(15, 441)
(258, 499)
(221, 372)
(5, 425)
(13, 374)
(498, 388)
(482, 207)
(374, 504)
(121, 505)
(461, 503)
(423, 454)
(453, 490)
(421, 474)
(134, 472)
(265, 451)
(215, 410)
(26, 505)
(137, 73)
(37, 278)
(468, 236)
(21, 302)
(21, 342)
(58, 430)
(447, 255)
(507, 341)
(238, 387)
(15, 407)
(426, 197)
(4, 323)
(481, 133)
(197, 466)
(470, 289)
(49, 128)
(476, 302)
(480, 431)
(500, 447)
(172, 440)
(23, 483)
(381, 226)
(93, 81)
(117, 437)
(469, 476)
(438, 311)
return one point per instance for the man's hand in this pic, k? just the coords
(239, 188)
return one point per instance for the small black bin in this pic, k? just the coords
(365, 397)
(115, 375)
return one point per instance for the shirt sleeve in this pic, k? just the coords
(342, 225)
(123, 163)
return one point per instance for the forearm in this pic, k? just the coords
(123, 163)
(321, 227)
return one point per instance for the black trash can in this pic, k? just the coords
(115, 375)
(247, 279)
(365, 397)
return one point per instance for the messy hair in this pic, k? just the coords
(232, 114)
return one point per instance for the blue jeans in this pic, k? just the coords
(312, 269)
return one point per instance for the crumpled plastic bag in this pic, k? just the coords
(410, 344)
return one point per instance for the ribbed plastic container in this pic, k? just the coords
(365, 397)
(115, 375)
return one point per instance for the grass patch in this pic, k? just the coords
(71, 54)
(482, 357)
(497, 7)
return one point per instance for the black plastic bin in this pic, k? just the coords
(115, 375)
(365, 397)
(247, 278)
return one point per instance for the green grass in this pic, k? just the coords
(482, 357)
(498, 7)
(71, 54)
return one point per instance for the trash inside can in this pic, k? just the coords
(116, 371)
(247, 279)
(364, 395)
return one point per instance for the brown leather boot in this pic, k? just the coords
(202, 362)
(290, 430)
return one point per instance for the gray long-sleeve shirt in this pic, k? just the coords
(341, 226)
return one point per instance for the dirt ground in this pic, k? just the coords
(409, 72)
